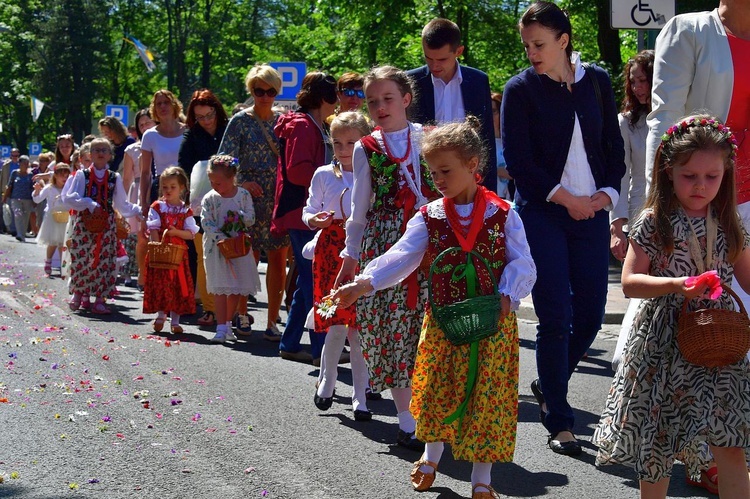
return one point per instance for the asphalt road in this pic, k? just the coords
(100, 407)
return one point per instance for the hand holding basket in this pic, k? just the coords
(235, 247)
(162, 255)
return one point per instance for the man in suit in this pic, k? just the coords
(448, 91)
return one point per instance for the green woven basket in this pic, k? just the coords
(471, 319)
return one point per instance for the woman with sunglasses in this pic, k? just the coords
(350, 92)
(249, 138)
(206, 120)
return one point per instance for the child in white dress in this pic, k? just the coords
(52, 233)
(227, 210)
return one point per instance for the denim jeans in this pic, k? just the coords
(22, 209)
(302, 300)
(572, 262)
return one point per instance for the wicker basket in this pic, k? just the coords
(235, 247)
(60, 217)
(163, 255)
(123, 227)
(471, 319)
(96, 221)
(714, 337)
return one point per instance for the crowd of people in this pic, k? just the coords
(420, 208)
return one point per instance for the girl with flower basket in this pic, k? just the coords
(388, 168)
(227, 213)
(478, 418)
(94, 194)
(170, 221)
(330, 193)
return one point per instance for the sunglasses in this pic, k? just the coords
(261, 92)
(350, 92)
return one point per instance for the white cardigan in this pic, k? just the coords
(692, 72)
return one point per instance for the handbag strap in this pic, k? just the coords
(270, 141)
(595, 82)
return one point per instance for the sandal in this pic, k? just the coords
(176, 329)
(75, 303)
(207, 319)
(489, 494)
(420, 480)
(709, 480)
(158, 324)
(100, 308)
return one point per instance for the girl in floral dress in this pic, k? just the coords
(168, 290)
(226, 211)
(388, 167)
(479, 423)
(661, 407)
(98, 191)
(330, 192)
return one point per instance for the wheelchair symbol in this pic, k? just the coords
(642, 14)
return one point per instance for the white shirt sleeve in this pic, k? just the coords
(73, 194)
(401, 259)
(153, 222)
(361, 199)
(519, 274)
(315, 198)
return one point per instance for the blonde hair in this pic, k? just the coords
(223, 163)
(349, 120)
(176, 104)
(462, 138)
(178, 174)
(264, 73)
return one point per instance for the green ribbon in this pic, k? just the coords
(470, 273)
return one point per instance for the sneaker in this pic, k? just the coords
(272, 334)
(220, 337)
(230, 336)
(243, 323)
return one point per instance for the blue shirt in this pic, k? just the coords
(21, 185)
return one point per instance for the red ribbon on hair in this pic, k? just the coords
(406, 200)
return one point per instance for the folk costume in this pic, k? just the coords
(486, 430)
(389, 169)
(170, 290)
(93, 267)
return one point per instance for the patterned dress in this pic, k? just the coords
(390, 320)
(170, 290)
(245, 140)
(488, 428)
(660, 407)
(93, 266)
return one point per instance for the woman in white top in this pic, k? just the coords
(160, 144)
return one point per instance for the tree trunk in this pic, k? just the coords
(608, 38)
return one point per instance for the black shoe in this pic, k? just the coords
(409, 441)
(370, 395)
(362, 415)
(539, 398)
(322, 403)
(565, 448)
(252, 299)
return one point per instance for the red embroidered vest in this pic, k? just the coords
(490, 244)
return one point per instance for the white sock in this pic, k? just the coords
(228, 325)
(406, 422)
(221, 328)
(174, 318)
(160, 314)
(360, 374)
(402, 398)
(433, 451)
(329, 360)
(481, 473)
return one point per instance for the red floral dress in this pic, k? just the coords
(93, 267)
(325, 268)
(170, 290)
(488, 427)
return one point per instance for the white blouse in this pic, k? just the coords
(53, 196)
(362, 194)
(154, 220)
(325, 194)
(395, 265)
(75, 190)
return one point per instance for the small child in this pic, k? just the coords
(170, 290)
(480, 424)
(97, 191)
(330, 189)
(52, 232)
(661, 407)
(226, 211)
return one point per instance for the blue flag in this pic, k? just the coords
(146, 56)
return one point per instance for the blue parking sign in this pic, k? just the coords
(292, 74)
(35, 148)
(5, 151)
(120, 112)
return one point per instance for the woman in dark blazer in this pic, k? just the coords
(564, 150)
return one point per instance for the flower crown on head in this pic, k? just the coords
(684, 125)
(224, 161)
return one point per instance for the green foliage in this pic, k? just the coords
(72, 55)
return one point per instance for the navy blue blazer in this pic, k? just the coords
(475, 90)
